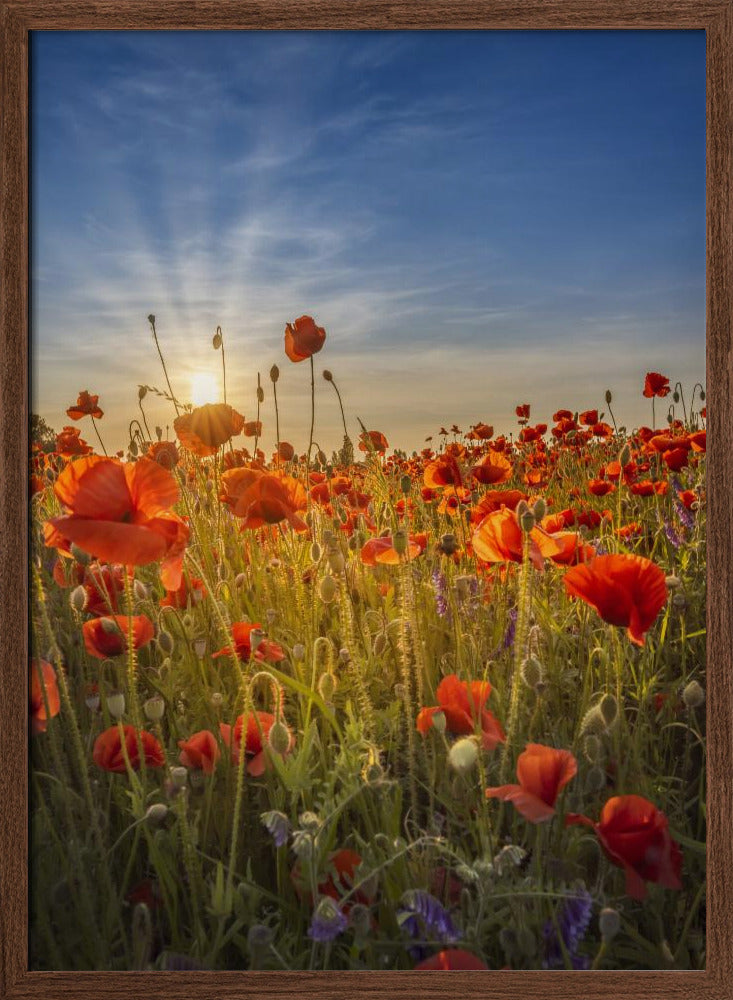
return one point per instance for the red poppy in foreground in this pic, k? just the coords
(263, 497)
(624, 589)
(200, 751)
(499, 539)
(462, 704)
(635, 836)
(43, 677)
(258, 725)
(108, 636)
(242, 635)
(208, 427)
(86, 406)
(108, 750)
(656, 385)
(303, 338)
(120, 512)
(451, 958)
(543, 772)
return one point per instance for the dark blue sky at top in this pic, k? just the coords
(494, 202)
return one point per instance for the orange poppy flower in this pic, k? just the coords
(625, 590)
(267, 650)
(381, 550)
(543, 772)
(656, 385)
(373, 441)
(462, 703)
(573, 549)
(444, 471)
(258, 725)
(86, 406)
(499, 539)
(522, 411)
(108, 636)
(200, 751)
(451, 958)
(600, 487)
(103, 586)
(481, 432)
(164, 453)
(635, 836)
(285, 451)
(263, 497)
(588, 418)
(120, 513)
(109, 755)
(252, 428)
(493, 469)
(40, 669)
(191, 589)
(676, 459)
(303, 338)
(69, 443)
(206, 428)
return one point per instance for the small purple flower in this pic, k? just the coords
(327, 921)
(418, 906)
(277, 825)
(571, 921)
(508, 641)
(687, 517)
(439, 586)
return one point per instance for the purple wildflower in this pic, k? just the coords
(439, 586)
(569, 927)
(327, 921)
(508, 641)
(687, 517)
(420, 906)
(277, 825)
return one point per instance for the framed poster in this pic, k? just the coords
(367, 621)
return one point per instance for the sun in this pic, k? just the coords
(204, 388)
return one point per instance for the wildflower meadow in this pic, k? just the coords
(369, 709)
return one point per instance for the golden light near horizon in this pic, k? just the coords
(204, 388)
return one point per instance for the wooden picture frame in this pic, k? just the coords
(19, 17)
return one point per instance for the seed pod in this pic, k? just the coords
(625, 456)
(609, 397)
(593, 722)
(179, 776)
(142, 392)
(540, 509)
(448, 544)
(592, 748)
(216, 341)
(298, 651)
(527, 521)
(278, 738)
(274, 373)
(327, 589)
(141, 591)
(116, 704)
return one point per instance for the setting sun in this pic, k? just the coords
(204, 388)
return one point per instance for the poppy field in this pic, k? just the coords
(369, 709)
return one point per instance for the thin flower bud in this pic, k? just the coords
(116, 704)
(326, 686)
(278, 738)
(608, 708)
(327, 375)
(165, 642)
(540, 509)
(156, 813)
(327, 589)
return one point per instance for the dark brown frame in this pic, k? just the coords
(18, 17)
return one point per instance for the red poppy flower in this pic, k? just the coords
(109, 755)
(108, 636)
(698, 440)
(303, 338)
(522, 411)
(69, 443)
(635, 836)
(451, 958)
(206, 428)
(599, 487)
(41, 670)
(263, 497)
(86, 406)
(191, 589)
(258, 726)
(373, 441)
(462, 703)
(543, 772)
(382, 551)
(120, 513)
(444, 471)
(285, 451)
(200, 751)
(588, 417)
(656, 385)
(267, 650)
(624, 589)
(481, 432)
(493, 469)
(676, 459)
(499, 539)
(164, 453)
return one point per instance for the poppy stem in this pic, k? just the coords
(96, 430)
(223, 362)
(140, 404)
(151, 320)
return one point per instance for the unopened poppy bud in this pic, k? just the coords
(593, 722)
(255, 638)
(216, 341)
(260, 394)
(279, 737)
(326, 687)
(609, 397)
(532, 671)
(78, 598)
(156, 813)
(154, 708)
(132, 448)
(406, 484)
(595, 779)
(625, 456)
(592, 748)
(693, 695)
(327, 589)
(608, 708)
(217, 699)
(142, 392)
(439, 721)
(298, 651)
(360, 920)
(116, 704)
(676, 396)
(151, 319)
(521, 508)
(159, 433)
(380, 643)
(609, 924)
(199, 647)
(448, 543)
(540, 509)
(344, 655)
(315, 552)
(141, 591)
(92, 700)
(239, 580)
(80, 555)
(527, 521)
(259, 938)
(323, 458)
(679, 601)
(165, 642)
(336, 561)
(274, 373)
(327, 375)
(673, 582)
(702, 395)
(463, 755)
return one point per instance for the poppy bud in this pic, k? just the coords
(380, 643)
(260, 394)
(239, 580)
(592, 748)
(116, 704)
(360, 920)
(326, 687)
(199, 647)
(217, 699)
(532, 671)
(595, 779)
(142, 392)
(278, 738)
(344, 655)
(609, 397)
(527, 521)
(406, 484)
(522, 508)
(156, 813)
(159, 433)
(676, 396)
(327, 375)
(109, 625)
(609, 924)
(625, 456)
(693, 695)
(463, 755)
(315, 552)
(298, 651)
(608, 708)
(179, 776)
(439, 721)
(448, 544)
(165, 642)
(141, 591)
(133, 447)
(322, 457)
(336, 561)
(593, 722)
(154, 708)
(92, 700)
(327, 589)
(679, 602)
(673, 582)
(540, 509)
(151, 319)
(309, 821)
(216, 341)
(274, 373)
(78, 598)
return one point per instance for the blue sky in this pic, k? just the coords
(477, 219)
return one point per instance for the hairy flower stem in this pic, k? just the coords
(347, 629)
(99, 436)
(520, 643)
(407, 683)
(151, 320)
